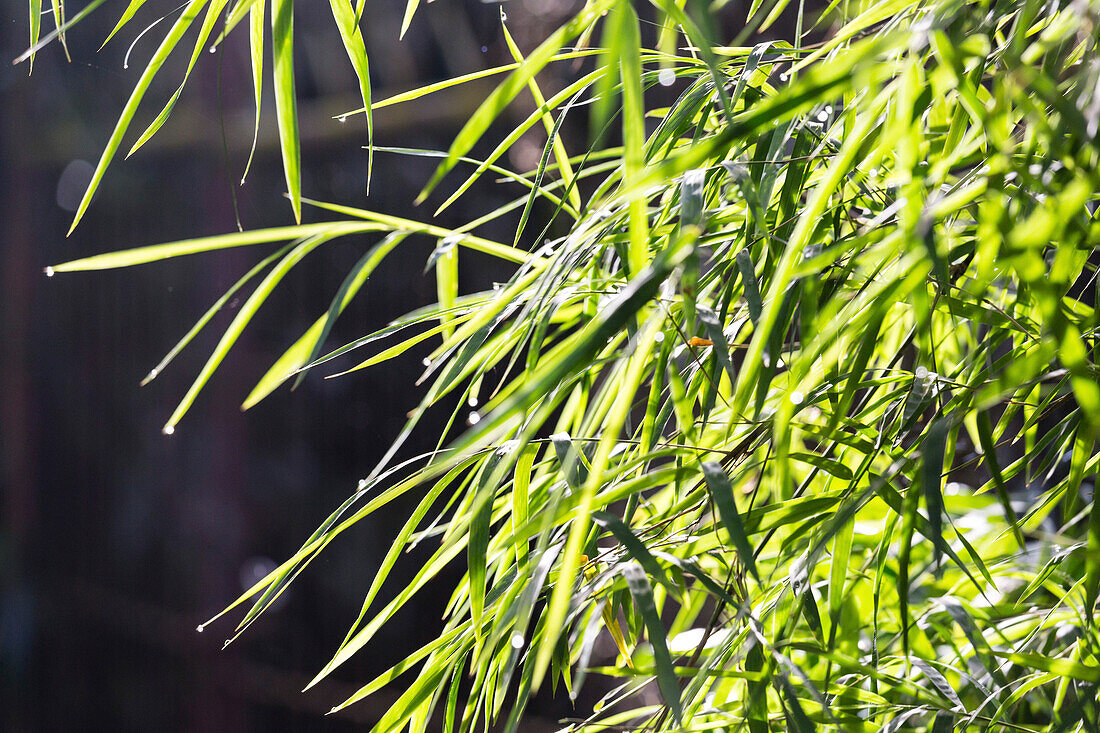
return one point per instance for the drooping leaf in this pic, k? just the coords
(286, 99)
(722, 492)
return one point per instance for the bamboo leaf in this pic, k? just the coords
(633, 117)
(35, 16)
(507, 91)
(127, 14)
(210, 313)
(933, 448)
(353, 281)
(347, 20)
(213, 9)
(286, 99)
(166, 47)
(722, 492)
(1064, 667)
(256, 21)
(643, 596)
(477, 547)
(244, 315)
(692, 189)
(749, 285)
(158, 252)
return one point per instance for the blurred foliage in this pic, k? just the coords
(794, 428)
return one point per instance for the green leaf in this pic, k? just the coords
(749, 285)
(190, 12)
(479, 122)
(713, 328)
(521, 487)
(642, 592)
(307, 348)
(158, 252)
(286, 99)
(35, 15)
(1092, 561)
(410, 11)
(127, 14)
(633, 117)
(256, 55)
(574, 467)
(213, 11)
(62, 25)
(1063, 667)
(353, 281)
(634, 547)
(796, 716)
(697, 409)
(722, 492)
(932, 453)
(387, 221)
(244, 315)
(692, 189)
(347, 20)
(445, 260)
(393, 351)
(210, 313)
(477, 548)
(989, 451)
(561, 156)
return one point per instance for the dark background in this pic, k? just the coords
(115, 540)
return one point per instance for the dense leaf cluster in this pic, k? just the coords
(795, 427)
